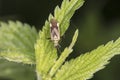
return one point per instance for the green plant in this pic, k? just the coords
(20, 43)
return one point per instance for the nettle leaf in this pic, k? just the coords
(64, 14)
(84, 66)
(46, 53)
(17, 42)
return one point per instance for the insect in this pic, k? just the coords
(55, 32)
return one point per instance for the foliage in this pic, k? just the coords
(17, 44)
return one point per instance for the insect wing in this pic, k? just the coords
(55, 35)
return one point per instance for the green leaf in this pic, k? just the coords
(64, 14)
(17, 42)
(84, 66)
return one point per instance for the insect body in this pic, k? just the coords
(55, 32)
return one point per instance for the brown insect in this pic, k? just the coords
(55, 32)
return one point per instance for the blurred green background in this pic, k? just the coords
(98, 22)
